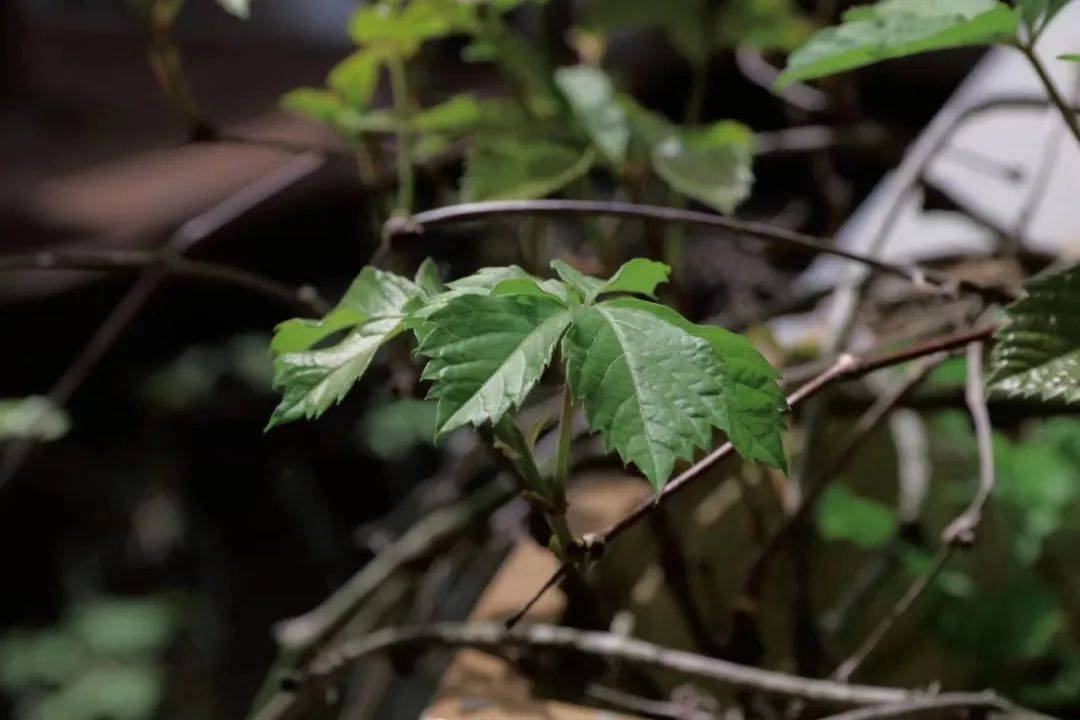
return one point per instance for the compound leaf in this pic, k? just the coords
(486, 353)
(513, 168)
(1037, 355)
(897, 28)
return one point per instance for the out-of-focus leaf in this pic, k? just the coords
(1037, 355)
(32, 418)
(524, 67)
(45, 657)
(591, 96)
(765, 24)
(192, 379)
(843, 515)
(1037, 13)
(355, 78)
(401, 29)
(391, 431)
(1070, 57)
(124, 627)
(239, 8)
(486, 353)
(459, 114)
(124, 692)
(896, 28)
(513, 168)
(710, 164)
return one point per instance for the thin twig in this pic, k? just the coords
(464, 212)
(932, 703)
(846, 367)
(305, 300)
(1063, 106)
(958, 534)
(188, 235)
(864, 426)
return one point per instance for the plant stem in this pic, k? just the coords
(1051, 90)
(566, 434)
(548, 495)
(399, 89)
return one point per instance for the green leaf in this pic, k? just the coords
(765, 24)
(754, 405)
(401, 29)
(581, 283)
(1037, 356)
(315, 380)
(375, 306)
(459, 114)
(32, 418)
(843, 515)
(1037, 13)
(118, 627)
(1070, 57)
(653, 390)
(239, 8)
(428, 279)
(591, 96)
(511, 168)
(710, 164)
(374, 294)
(355, 78)
(638, 276)
(896, 28)
(486, 354)
(538, 288)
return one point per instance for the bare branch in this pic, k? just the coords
(931, 703)
(496, 637)
(464, 212)
(304, 300)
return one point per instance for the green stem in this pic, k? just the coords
(548, 495)
(566, 434)
(399, 89)
(1051, 90)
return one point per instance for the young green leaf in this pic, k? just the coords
(459, 114)
(512, 168)
(374, 294)
(428, 279)
(1070, 57)
(654, 391)
(1037, 13)
(584, 285)
(896, 28)
(486, 354)
(710, 164)
(355, 78)
(314, 380)
(375, 306)
(1037, 355)
(591, 96)
(638, 276)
